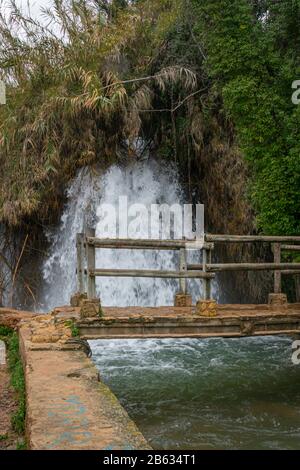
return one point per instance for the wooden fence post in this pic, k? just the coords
(91, 264)
(277, 274)
(206, 258)
(80, 262)
(182, 268)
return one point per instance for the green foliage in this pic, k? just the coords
(5, 332)
(17, 377)
(21, 445)
(74, 330)
(204, 82)
(251, 58)
(18, 382)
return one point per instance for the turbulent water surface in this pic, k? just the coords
(207, 394)
(143, 182)
(185, 394)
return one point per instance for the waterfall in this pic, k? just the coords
(145, 182)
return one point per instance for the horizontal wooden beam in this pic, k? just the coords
(290, 247)
(250, 238)
(291, 272)
(149, 244)
(246, 267)
(151, 273)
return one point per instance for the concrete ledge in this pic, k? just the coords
(11, 318)
(68, 407)
(231, 321)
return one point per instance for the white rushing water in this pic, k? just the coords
(143, 182)
(184, 394)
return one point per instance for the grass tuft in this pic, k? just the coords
(18, 382)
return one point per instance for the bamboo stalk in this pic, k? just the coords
(15, 272)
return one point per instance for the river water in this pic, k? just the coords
(184, 394)
(207, 394)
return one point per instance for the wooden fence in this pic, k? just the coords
(88, 243)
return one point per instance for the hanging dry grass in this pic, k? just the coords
(66, 106)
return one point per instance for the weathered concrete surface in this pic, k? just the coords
(67, 406)
(179, 322)
(8, 406)
(11, 318)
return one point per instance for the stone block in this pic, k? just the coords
(90, 308)
(49, 330)
(183, 300)
(278, 301)
(206, 308)
(77, 299)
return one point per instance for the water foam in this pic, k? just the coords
(141, 182)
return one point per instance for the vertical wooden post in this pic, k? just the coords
(91, 263)
(182, 267)
(207, 282)
(277, 274)
(80, 262)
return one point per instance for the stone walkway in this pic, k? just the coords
(68, 407)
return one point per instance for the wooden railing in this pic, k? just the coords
(88, 243)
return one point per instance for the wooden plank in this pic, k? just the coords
(290, 247)
(246, 267)
(250, 238)
(135, 244)
(150, 273)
